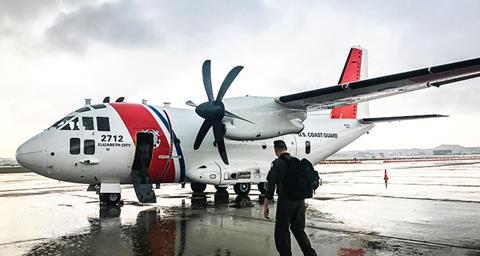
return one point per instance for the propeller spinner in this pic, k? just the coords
(213, 110)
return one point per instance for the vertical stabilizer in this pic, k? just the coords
(355, 69)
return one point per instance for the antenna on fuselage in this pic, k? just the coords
(106, 99)
(120, 99)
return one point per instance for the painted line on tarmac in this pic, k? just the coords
(411, 198)
(24, 241)
(402, 183)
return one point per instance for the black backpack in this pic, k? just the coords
(300, 180)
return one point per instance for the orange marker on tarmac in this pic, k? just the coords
(385, 178)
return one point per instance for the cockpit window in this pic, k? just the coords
(61, 122)
(98, 106)
(103, 124)
(87, 123)
(71, 125)
(84, 109)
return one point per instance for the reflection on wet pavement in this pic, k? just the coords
(151, 233)
(352, 214)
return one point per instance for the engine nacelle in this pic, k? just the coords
(269, 118)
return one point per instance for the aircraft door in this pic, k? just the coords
(141, 163)
(143, 154)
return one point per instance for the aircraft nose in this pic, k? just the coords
(31, 154)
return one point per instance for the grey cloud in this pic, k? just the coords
(132, 23)
(16, 15)
(117, 23)
(24, 10)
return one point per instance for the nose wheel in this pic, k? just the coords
(110, 198)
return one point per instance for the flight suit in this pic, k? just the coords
(290, 212)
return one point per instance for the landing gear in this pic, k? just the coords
(262, 187)
(198, 187)
(109, 193)
(242, 188)
(110, 198)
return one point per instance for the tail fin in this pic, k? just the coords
(355, 69)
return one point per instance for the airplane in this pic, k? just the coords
(113, 143)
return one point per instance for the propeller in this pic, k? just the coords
(213, 110)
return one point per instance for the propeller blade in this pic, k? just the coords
(191, 104)
(207, 80)
(201, 133)
(218, 133)
(232, 115)
(227, 82)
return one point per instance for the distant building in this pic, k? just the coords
(441, 152)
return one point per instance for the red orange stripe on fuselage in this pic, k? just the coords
(137, 118)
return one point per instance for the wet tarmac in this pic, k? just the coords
(426, 209)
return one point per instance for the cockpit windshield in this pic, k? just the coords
(72, 125)
(83, 109)
(62, 121)
(69, 118)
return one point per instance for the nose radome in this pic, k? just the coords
(31, 154)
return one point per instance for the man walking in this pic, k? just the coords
(290, 212)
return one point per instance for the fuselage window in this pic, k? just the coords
(89, 147)
(87, 123)
(307, 147)
(74, 146)
(103, 124)
(72, 125)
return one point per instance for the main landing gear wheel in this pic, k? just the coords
(198, 187)
(242, 188)
(262, 187)
(110, 198)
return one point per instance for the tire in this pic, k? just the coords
(110, 198)
(198, 187)
(242, 188)
(262, 187)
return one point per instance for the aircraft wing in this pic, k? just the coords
(384, 86)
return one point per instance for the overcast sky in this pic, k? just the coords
(54, 53)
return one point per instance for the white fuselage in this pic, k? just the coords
(90, 152)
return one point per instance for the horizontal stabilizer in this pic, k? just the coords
(397, 118)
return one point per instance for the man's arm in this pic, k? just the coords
(272, 180)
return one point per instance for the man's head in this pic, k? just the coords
(280, 147)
